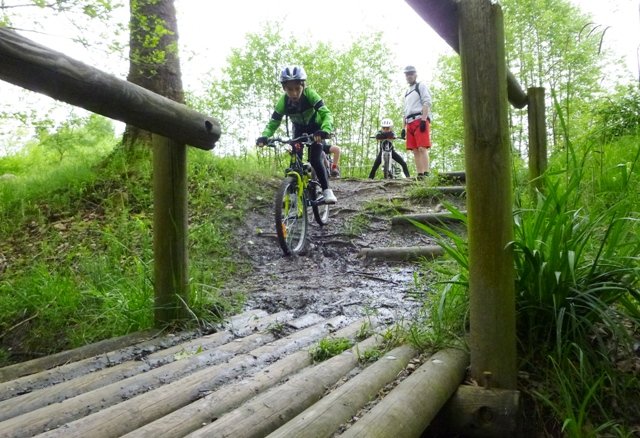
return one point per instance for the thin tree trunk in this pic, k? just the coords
(153, 58)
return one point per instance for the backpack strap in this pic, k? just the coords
(416, 89)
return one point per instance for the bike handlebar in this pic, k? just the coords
(304, 138)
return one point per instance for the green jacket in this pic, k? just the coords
(309, 115)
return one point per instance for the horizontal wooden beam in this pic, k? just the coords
(409, 407)
(442, 16)
(40, 364)
(476, 411)
(396, 253)
(40, 69)
(426, 218)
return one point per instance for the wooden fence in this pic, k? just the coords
(40, 69)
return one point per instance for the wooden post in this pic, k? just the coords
(489, 197)
(170, 230)
(40, 69)
(537, 136)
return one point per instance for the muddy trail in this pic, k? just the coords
(333, 278)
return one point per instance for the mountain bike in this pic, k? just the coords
(390, 169)
(299, 191)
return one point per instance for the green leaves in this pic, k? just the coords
(355, 83)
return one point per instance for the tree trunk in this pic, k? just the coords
(153, 58)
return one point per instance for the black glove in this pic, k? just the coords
(380, 136)
(322, 134)
(261, 141)
(423, 125)
(403, 134)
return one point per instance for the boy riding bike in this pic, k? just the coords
(386, 133)
(309, 115)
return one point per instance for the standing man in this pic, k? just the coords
(417, 120)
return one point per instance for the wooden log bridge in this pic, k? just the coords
(254, 377)
(40, 69)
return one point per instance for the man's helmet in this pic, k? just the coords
(386, 123)
(409, 69)
(293, 73)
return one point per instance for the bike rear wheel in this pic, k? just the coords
(291, 217)
(320, 212)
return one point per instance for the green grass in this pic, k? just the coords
(76, 248)
(576, 249)
(356, 225)
(328, 348)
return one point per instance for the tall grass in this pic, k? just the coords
(76, 252)
(577, 269)
(445, 315)
(572, 265)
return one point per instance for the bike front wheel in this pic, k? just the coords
(291, 217)
(386, 167)
(320, 212)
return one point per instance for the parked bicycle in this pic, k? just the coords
(299, 191)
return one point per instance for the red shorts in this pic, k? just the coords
(417, 139)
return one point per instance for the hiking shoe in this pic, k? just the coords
(329, 197)
(335, 172)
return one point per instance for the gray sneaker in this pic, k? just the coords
(329, 197)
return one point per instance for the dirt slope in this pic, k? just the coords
(331, 278)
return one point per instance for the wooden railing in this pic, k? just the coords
(40, 69)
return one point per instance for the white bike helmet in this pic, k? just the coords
(386, 123)
(292, 73)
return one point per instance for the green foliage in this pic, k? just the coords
(53, 168)
(94, 22)
(577, 389)
(448, 128)
(95, 9)
(387, 207)
(153, 43)
(572, 266)
(552, 44)
(425, 193)
(618, 114)
(444, 317)
(364, 331)
(78, 263)
(355, 83)
(329, 347)
(577, 284)
(391, 337)
(77, 136)
(356, 225)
